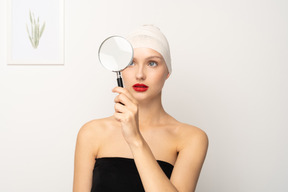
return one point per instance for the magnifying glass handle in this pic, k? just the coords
(119, 79)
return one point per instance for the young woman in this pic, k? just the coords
(140, 147)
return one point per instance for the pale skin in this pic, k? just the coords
(142, 130)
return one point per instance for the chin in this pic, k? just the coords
(139, 95)
(145, 96)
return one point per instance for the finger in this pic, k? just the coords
(118, 116)
(117, 99)
(123, 99)
(119, 108)
(124, 91)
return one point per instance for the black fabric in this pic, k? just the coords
(120, 174)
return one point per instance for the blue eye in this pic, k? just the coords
(152, 64)
(131, 64)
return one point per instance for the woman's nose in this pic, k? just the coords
(140, 74)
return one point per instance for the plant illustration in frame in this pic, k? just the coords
(36, 30)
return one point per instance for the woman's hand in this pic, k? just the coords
(126, 112)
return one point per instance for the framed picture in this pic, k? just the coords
(35, 32)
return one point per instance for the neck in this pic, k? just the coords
(151, 112)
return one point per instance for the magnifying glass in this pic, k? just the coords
(115, 54)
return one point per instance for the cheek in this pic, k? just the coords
(125, 74)
(159, 79)
(161, 74)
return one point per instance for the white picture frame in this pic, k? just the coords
(35, 32)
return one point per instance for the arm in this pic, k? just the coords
(84, 160)
(152, 176)
(192, 153)
(192, 150)
(186, 170)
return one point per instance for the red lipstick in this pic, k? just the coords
(140, 87)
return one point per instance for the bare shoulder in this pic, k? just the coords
(90, 127)
(192, 135)
(94, 125)
(192, 131)
(95, 130)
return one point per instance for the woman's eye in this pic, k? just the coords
(131, 64)
(152, 64)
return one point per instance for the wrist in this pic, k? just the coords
(137, 142)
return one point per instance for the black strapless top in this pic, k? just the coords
(120, 174)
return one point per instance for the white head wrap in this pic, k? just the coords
(149, 36)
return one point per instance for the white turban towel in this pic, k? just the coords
(149, 36)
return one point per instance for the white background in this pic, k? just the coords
(229, 78)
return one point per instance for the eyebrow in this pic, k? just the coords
(151, 57)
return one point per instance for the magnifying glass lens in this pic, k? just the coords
(115, 53)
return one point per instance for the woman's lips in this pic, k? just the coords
(140, 87)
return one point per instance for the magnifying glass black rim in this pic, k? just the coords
(131, 60)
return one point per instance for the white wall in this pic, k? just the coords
(229, 78)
